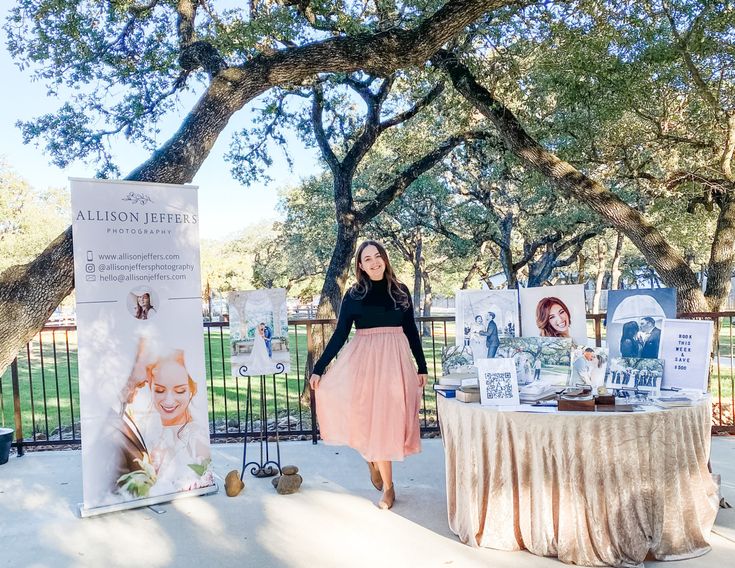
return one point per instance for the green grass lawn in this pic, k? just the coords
(49, 394)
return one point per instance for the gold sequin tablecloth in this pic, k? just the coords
(592, 489)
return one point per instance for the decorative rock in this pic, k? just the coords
(233, 483)
(289, 484)
(275, 480)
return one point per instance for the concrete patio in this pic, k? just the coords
(332, 521)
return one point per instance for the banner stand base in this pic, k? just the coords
(93, 512)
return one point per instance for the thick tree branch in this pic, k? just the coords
(186, 11)
(530, 250)
(371, 128)
(729, 149)
(577, 243)
(415, 109)
(410, 174)
(178, 160)
(666, 260)
(317, 107)
(681, 46)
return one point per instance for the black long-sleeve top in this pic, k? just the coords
(376, 309)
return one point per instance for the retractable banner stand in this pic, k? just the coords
(142, 380)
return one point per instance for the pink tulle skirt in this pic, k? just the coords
(369, 399)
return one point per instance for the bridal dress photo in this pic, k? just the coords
(259, 362)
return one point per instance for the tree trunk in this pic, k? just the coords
(417, 260)
(505, 252)
(581, 267)
(658, 252)
(615, 269)
(600, 276)
(31, 292)
(339, 267)
(428, 300)
(722, 256)
(539, 271)
(348, 231)
(506, 261)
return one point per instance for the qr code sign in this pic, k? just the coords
(499, 385)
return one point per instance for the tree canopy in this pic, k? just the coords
(554, 123)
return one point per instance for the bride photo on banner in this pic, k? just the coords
(181, 454)
(259, 332)
(155, 443)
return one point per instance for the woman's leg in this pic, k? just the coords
(389, 495)
(386, 473)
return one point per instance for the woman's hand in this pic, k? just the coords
(423, 379)
(314, 381)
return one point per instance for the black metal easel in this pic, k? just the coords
(265, 466)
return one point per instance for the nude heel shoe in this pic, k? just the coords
(375, 477)
(388, 498)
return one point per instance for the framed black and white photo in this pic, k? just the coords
(483, 318)
(498, 382)
(634, 319)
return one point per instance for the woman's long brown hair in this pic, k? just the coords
(363, 285)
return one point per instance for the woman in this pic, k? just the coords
(181, 455)
(552, 318)
(477, 339)
(370, 398)
(629, 344)
(143, 307)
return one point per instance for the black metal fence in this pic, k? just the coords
(39, 394)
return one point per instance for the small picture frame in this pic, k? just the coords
(498, 382)
(456, 359)
(632, 373)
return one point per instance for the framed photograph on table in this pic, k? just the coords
(589, 366)
(456, 359)
(484, 318)
(498, 382)
(634, 319)
(633, 373)
(554, 311)
(538, 359)
(686, 346)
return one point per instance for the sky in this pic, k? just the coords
(225, 206)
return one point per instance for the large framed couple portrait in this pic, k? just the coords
(259, 332)
(634, 321)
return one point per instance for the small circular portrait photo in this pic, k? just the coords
(142, 303)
